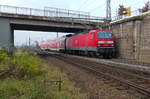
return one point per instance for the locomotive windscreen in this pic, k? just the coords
(105, 35)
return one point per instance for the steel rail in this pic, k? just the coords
(124, 72)
(139, 88)
(117, 69)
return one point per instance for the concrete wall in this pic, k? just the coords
(144, 52)
(6, 33)
(133, 38)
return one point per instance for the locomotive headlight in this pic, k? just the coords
(101, 42)
(110, 42)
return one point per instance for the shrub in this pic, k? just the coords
(3, 55)
(29, 77)
(21, 65)
(26, 64)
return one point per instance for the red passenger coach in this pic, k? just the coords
(45, 46)
(54, 45)
(61, 44)
(95, 42)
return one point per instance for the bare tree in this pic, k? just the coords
(121, 10)
(146, 8)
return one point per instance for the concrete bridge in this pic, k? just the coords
(49, 20)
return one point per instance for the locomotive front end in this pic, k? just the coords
(106, 43)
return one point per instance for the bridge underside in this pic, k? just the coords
(8, 25)
(45, 28)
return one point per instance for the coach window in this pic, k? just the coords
(92, 35)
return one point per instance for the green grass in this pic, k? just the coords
(26, 76)
(29, 89)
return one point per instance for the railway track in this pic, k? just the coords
(138, 67)
(139, 82)
(119, 63)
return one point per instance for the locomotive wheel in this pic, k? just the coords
(86, 53)
(94, 54)
(89, 54)
(106, 56)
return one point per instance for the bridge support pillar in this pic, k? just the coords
(6, 33)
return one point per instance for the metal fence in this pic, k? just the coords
(50, 12)
(133, 13)
(66, 12)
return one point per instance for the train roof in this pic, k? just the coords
(84, 32)
(70, 35)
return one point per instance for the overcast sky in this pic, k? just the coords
(95, 7)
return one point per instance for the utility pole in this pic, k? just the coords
(57, 35)
(29, 41)
(108, 10)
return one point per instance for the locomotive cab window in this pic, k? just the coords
(105, 35)
(92, 35)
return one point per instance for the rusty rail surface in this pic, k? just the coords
(51, 12)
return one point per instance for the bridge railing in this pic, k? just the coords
(67, 13)
(50, 12)
(133, 13)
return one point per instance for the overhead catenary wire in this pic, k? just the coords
(90, 3)
(135, 3)
(122, 2)
(83, 4)
(98, 7)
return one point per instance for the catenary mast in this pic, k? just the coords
(108, 10)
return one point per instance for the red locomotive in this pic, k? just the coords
(93, 43)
